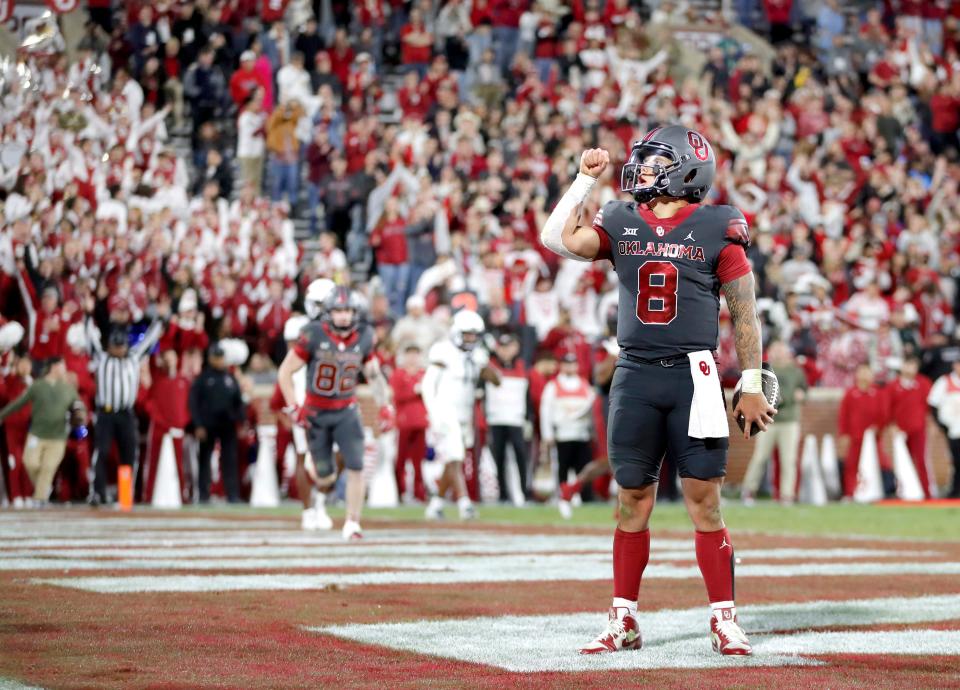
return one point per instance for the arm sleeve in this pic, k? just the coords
(606, 250)
(302, 347)
(732, 263)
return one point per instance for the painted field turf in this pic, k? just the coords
(228, 598)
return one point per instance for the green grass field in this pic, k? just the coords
(835, 520)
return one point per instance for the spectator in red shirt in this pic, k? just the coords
(246, 80)
(945, 116)
(15, 428)
(413, 97)
(907, 405)
(51, 327)
(405, 382)
(863, 407)
(389, 242)
(166, 405)
(416, 44)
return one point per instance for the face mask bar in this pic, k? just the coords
(634, 168)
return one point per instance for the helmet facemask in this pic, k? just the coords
(642, 163)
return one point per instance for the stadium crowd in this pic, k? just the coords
(422, 143)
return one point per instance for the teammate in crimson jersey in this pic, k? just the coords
(672, 256)
(335, 350)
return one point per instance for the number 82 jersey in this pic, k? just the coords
(670, 272)
(334, 363)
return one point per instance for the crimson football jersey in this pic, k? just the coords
(333, 363)
(670, 272)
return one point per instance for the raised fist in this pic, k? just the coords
(594, 161)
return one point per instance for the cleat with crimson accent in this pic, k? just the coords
(352, 531)
(622, 633)
(726, 634)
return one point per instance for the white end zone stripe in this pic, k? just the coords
(464, 570)
(672, 638)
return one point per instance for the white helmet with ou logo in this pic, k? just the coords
(317, 293)
(293, 326)
(466, 321)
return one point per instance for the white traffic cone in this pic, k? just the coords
(265, 492)
(812, 488)
(828, 463)
(908, 483)
(382, 492)
(869, 481)
(166, 486)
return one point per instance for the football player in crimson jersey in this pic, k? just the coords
(672, 256)
(335, 349)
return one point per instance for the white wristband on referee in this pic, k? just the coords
(751, 381)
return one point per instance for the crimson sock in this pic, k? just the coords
(715, 558)
(575, 486)
(631, 551)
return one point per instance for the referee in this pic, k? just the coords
(118, 377)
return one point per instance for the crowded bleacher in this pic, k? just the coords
(198, 164)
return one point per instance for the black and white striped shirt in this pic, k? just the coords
(118, 378)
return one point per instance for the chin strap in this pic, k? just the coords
(551, 234)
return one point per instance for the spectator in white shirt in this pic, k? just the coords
(506, 412)
(250, 142)
(293, 83)
(945, 399)
(869, 306)
(330, 261)
(566, 417)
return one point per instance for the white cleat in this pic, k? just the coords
(566, 510)
(323, 521)
(308, 520)
(622, 634)
(434, 509)
(467, 511)
(352, 531)
(727, 636)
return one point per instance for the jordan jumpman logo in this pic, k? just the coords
(726, 544)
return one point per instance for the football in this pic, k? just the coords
(771, 391)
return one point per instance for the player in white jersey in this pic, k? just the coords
(455, 366)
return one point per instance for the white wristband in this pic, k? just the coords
(751, 381)
(552, 232)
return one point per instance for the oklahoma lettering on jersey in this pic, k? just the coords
(670, 272)
(333, 364)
